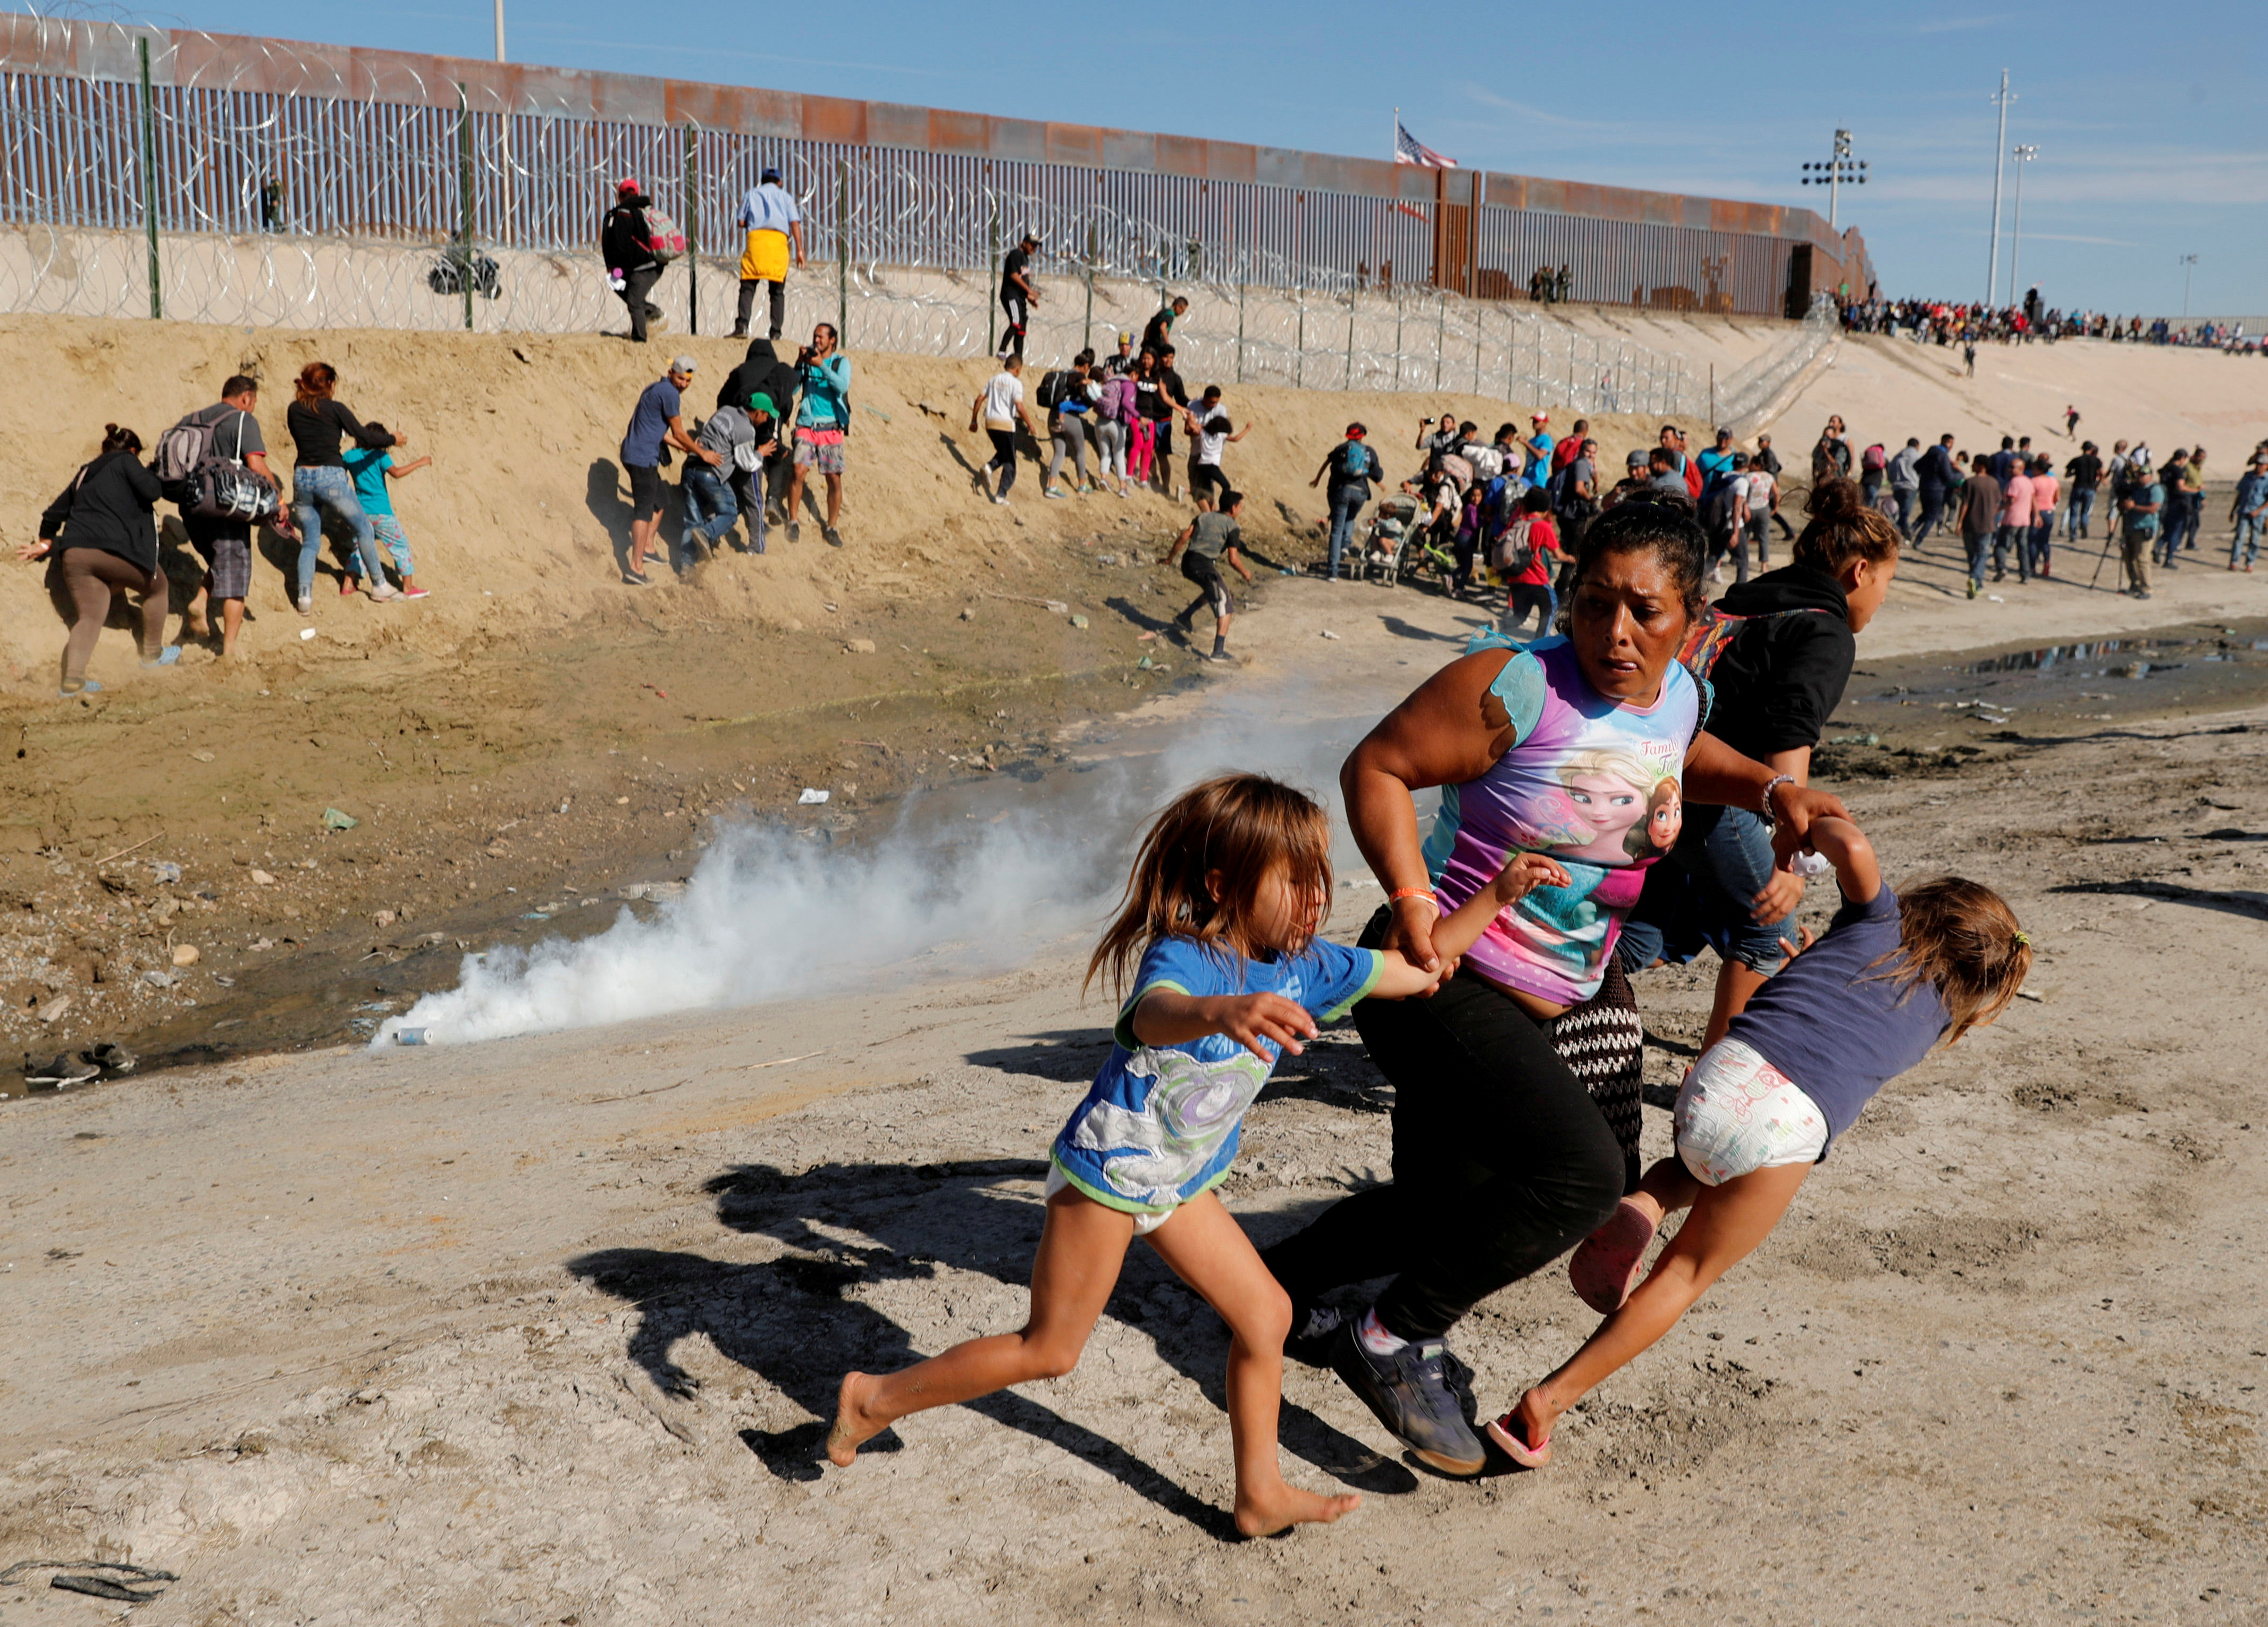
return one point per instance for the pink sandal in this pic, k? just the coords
(1505, 1432)
(1607, 1264)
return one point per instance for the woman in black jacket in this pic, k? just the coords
(1776, 681)
(99, 536)
(320, 425)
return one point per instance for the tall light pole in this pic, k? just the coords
(2003, 96)
(1834, 172)
(2189, 270)
(2023, 156)
(499, 25)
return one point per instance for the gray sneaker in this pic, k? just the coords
(1409, 1392)
(1315, 1335)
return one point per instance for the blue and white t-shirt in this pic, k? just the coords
(1161, 1122)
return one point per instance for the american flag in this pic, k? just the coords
(1409, 150)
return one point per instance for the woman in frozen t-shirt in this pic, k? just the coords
(1583, 748)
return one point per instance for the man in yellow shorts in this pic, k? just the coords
(774, 224)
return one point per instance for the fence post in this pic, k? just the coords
(692, 228)
(1086, 336)
(1441, 335)
(842, 253)
(991, 273)
(1713, 397)
(1241, 284)
(465, 202)
(150, 182)
(1354, 304)
(1299, 353)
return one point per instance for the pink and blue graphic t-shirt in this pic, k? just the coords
(1591, 782)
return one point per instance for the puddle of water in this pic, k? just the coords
(2059, 688)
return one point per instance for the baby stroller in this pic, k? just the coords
(1384, 550)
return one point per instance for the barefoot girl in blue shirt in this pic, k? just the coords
(1228, 889)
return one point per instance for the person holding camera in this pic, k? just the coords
(821, 423)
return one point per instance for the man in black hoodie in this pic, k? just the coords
(762, 371)
(625, 242)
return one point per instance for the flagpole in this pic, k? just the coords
(1394, 147)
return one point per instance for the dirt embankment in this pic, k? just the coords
(533, 725)
(535, 728)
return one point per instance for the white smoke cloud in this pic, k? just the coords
(771, 914)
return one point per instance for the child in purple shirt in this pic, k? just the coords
(1892, 978)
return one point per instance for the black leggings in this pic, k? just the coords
(1502, 1161)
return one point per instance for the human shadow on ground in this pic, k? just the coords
(1141, 618)
(2254, 905)
(606, 496)
(1401, 629)
(974, 473)
(791, 1322)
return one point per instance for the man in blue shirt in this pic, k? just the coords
(1538, 447)
(769, 215)
(656, 421)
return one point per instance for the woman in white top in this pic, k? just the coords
(1001, 406)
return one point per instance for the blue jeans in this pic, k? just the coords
(319, 492)
(710, 510)
(1932, 511)
(1905, 496)
(2082, 511)
(2179, 524)
(2246, 539)
(2011, 538)
(1346, 503)
(1703, 894)
(1978, 546)
(2043, 541)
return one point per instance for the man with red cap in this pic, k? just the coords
(1351, 466)
(1538, 446)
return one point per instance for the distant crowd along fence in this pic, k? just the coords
(231, 180)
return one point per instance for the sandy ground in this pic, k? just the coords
(542, 1330)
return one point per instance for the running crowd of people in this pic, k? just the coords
(1625, 793)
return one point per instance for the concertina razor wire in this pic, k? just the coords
(297, 207)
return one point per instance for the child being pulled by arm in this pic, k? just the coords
(1229, 887)
(1893, 975)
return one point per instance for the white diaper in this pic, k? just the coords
(1145, 1223)
(1737, 1113)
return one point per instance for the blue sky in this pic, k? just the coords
(2153, 127)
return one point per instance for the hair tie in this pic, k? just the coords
(2023, 940)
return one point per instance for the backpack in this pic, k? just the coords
(1717, 509)
(1457, 469)
(1708, 637)
(1487, 462)
(1514, 550)
(1353, 462)
(194, 474)
(1874, 458)
(1053, 384)
(664, 241)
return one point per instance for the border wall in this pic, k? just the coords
(229, 179)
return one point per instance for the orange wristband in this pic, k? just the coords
(1425, 893)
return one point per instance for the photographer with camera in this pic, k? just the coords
(821, 423)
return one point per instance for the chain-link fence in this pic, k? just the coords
(231, 182)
